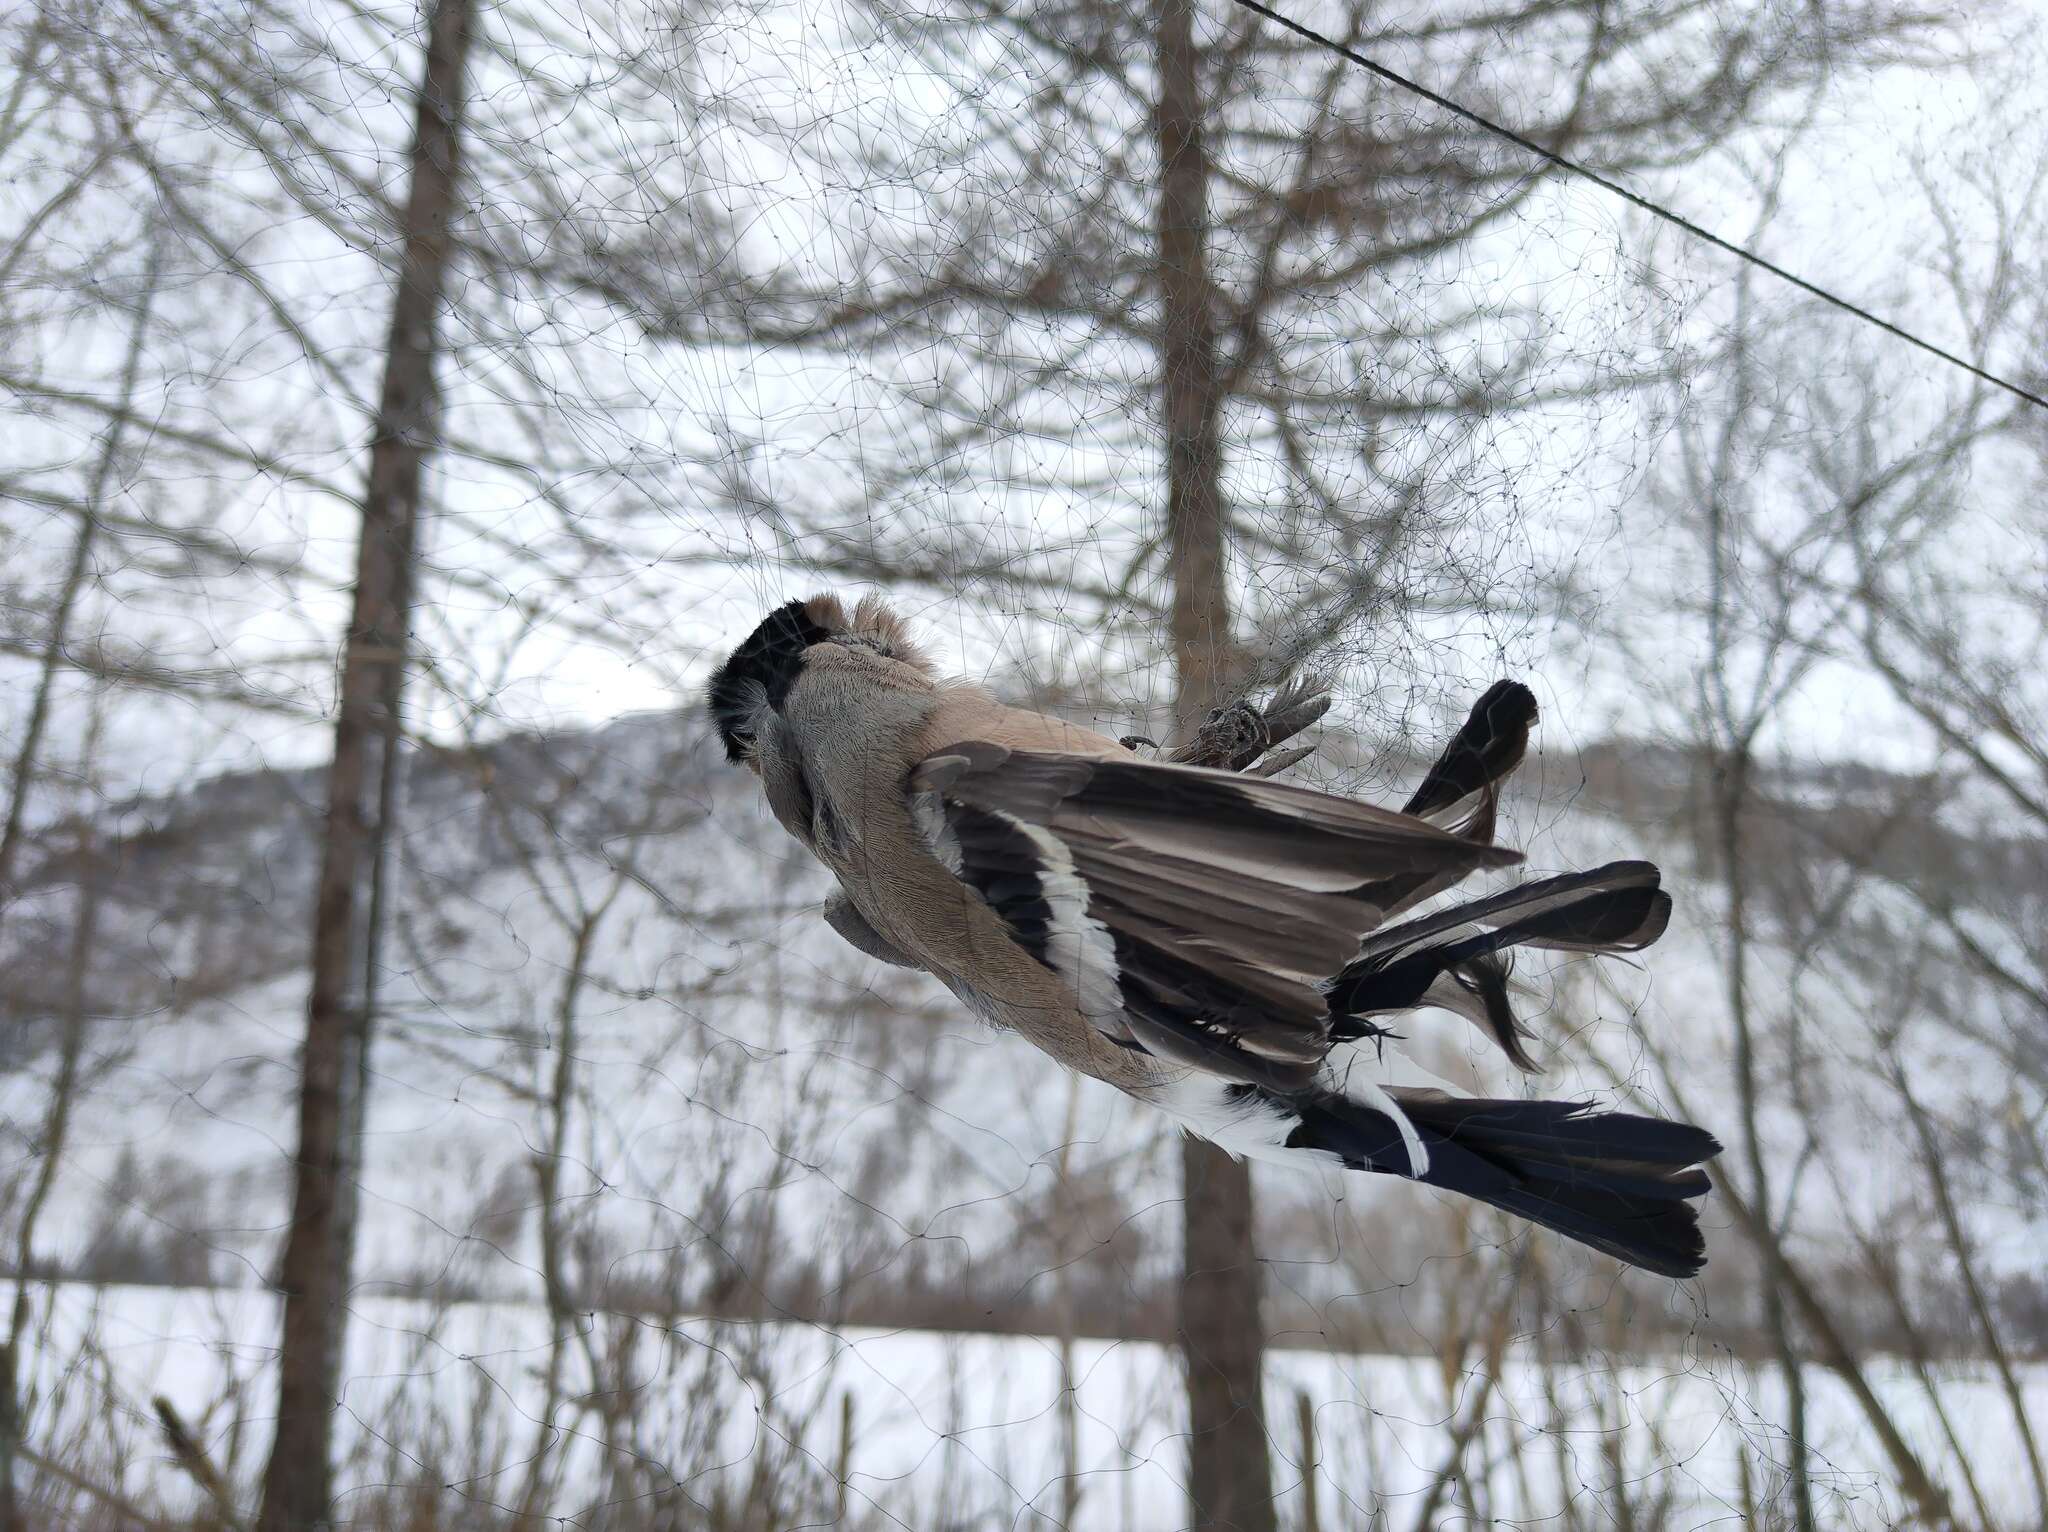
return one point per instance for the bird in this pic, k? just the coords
(1223, 947)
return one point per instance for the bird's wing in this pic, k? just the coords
(1462, 791)
(1197, 913)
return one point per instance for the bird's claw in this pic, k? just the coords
(1239, 733)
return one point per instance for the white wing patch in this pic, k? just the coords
(1078, 945)
(928, 814)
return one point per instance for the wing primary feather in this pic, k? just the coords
(1462, 790)
(1459, 958)
(1214, 907)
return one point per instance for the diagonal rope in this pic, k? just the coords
(1679, 220)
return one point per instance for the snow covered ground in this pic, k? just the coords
(965, 1430)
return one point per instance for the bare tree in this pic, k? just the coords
(1221, 1330)
(1851, 529)
(362, 783)
(1282, 183)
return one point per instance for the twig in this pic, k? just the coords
(193, 1459)
(111, 1499)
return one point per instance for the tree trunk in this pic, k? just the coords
(1230, 1475)
(1731, 790)
(315, 1272)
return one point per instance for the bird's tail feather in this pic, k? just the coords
(1458, 958)
(1620, 1183)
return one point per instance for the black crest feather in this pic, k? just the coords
(770, 658)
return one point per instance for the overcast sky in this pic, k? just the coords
(1851, 216)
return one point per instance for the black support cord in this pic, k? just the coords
(1655, 209)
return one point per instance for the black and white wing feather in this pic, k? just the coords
(1199, 914)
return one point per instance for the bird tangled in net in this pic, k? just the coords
(1208, 940)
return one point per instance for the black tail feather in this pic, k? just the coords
(1620, 1183)
(1562, 1129)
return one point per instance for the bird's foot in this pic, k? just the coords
(1238, 734)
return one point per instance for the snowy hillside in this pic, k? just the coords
(620, 1046)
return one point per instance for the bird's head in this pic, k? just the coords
(757, 676)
